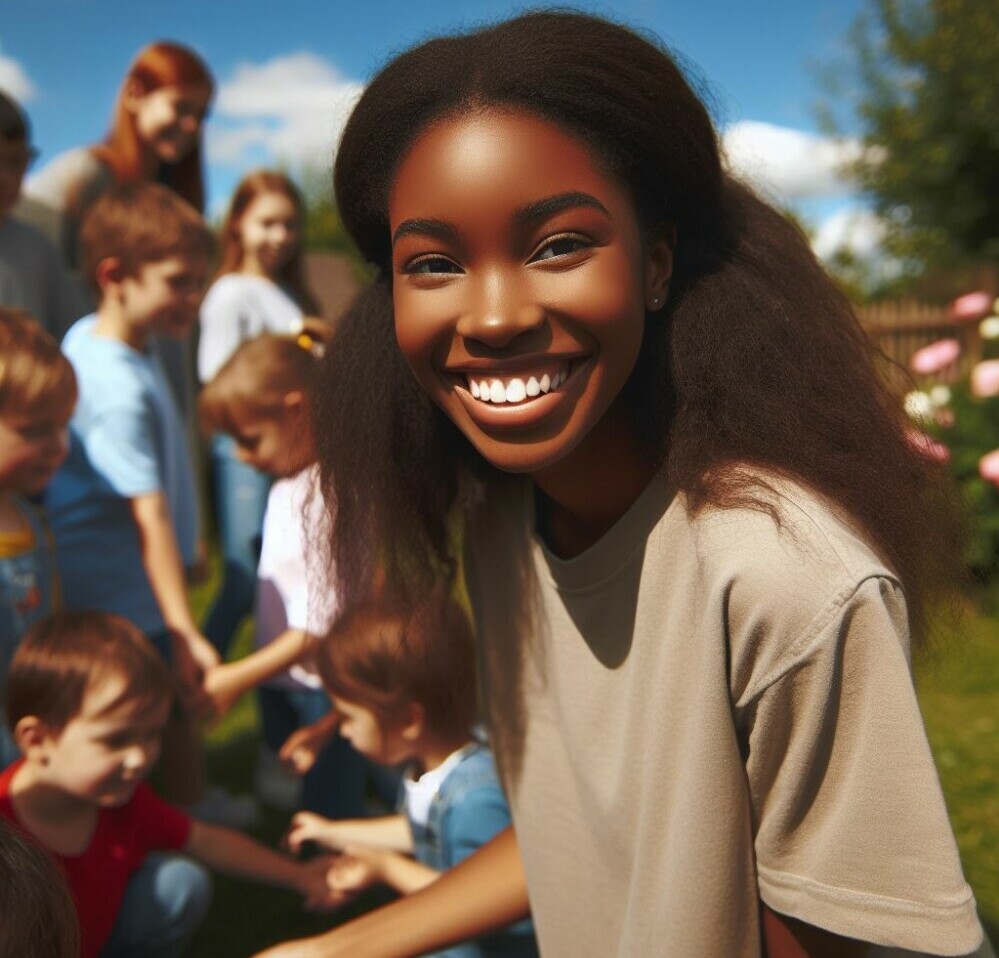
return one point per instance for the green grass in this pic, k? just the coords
(958, 685)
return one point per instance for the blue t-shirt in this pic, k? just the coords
(126, 440)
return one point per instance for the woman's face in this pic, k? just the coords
(168, 119)
(520, 283)
(269, 232)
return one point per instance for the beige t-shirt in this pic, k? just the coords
(705, 710)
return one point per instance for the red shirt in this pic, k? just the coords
(123, 836)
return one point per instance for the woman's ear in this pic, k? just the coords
(658, 267)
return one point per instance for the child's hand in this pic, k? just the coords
(316, 886)
(309, 827)
(358, 868)
(303, 746)
(223, 688)
(193, 655)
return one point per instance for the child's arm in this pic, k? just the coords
(227, 682)
(479, 895)
(359, 868)
(165, 570)
(303, 746)
(225, 850)
(388, 832)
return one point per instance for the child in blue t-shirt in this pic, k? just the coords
(403, 683)
(123, 506)
(37, 393)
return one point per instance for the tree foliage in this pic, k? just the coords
(923, 85)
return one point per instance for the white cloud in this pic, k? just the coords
(858, 230)
(790, 164)
(14, 80)
(290, 109)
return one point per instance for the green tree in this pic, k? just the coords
(922, 83)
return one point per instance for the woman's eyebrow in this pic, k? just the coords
(550, 205)
(436, 228)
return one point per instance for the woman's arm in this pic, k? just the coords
(481, 894)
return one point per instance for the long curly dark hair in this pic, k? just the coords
(757, 358)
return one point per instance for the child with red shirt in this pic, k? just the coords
(87, 699)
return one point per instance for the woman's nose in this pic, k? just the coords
(498, 315)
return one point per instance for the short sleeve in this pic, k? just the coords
(481, 814)
(852, 833)
(122, 446)
(221, 330)
(159, 825)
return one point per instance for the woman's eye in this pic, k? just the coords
(433, 264)
(559, 246)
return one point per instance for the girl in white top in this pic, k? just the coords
(260, 288)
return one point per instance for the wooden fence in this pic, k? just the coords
(900, 327)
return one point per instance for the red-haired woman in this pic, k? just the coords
(155, 135)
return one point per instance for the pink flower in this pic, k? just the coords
(988, 466)
(971, 307)
(985, 379)
(927, 446)
(936, 356)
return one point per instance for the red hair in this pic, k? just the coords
(158, 65)
(292, 275)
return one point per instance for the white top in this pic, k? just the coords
(292, 585)
(700, 711)
(239, 307)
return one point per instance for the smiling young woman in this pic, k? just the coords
(695, 561)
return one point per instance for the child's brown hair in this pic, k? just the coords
(383, 655)
(140, 223)
(68, 653)
(35, 377)
(258, 376)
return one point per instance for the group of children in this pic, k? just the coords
(102, 660)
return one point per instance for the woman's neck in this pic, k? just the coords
(585, 493)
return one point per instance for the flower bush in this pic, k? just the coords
(958, 423)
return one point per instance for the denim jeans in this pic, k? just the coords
(165, 902)
(335, 785)
(240, 501)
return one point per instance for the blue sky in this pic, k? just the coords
(286, 70)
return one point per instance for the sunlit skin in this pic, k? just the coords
(168, 120)
(162, 297)
(32, 447)
(269, 232)
(547, 272)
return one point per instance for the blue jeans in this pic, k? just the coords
(240, 501)
(334, 787)
(166, 900)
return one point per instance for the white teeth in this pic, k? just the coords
(516, 391)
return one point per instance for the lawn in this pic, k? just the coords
(958, 685)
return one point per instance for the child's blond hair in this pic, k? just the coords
(35, 377)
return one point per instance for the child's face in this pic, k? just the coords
(277, 444)
(520, 283)
(14, 158)
(382, 742)
(103, 753)
(269, 232)
(164, 296)
(32, 448)
(168, 120)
